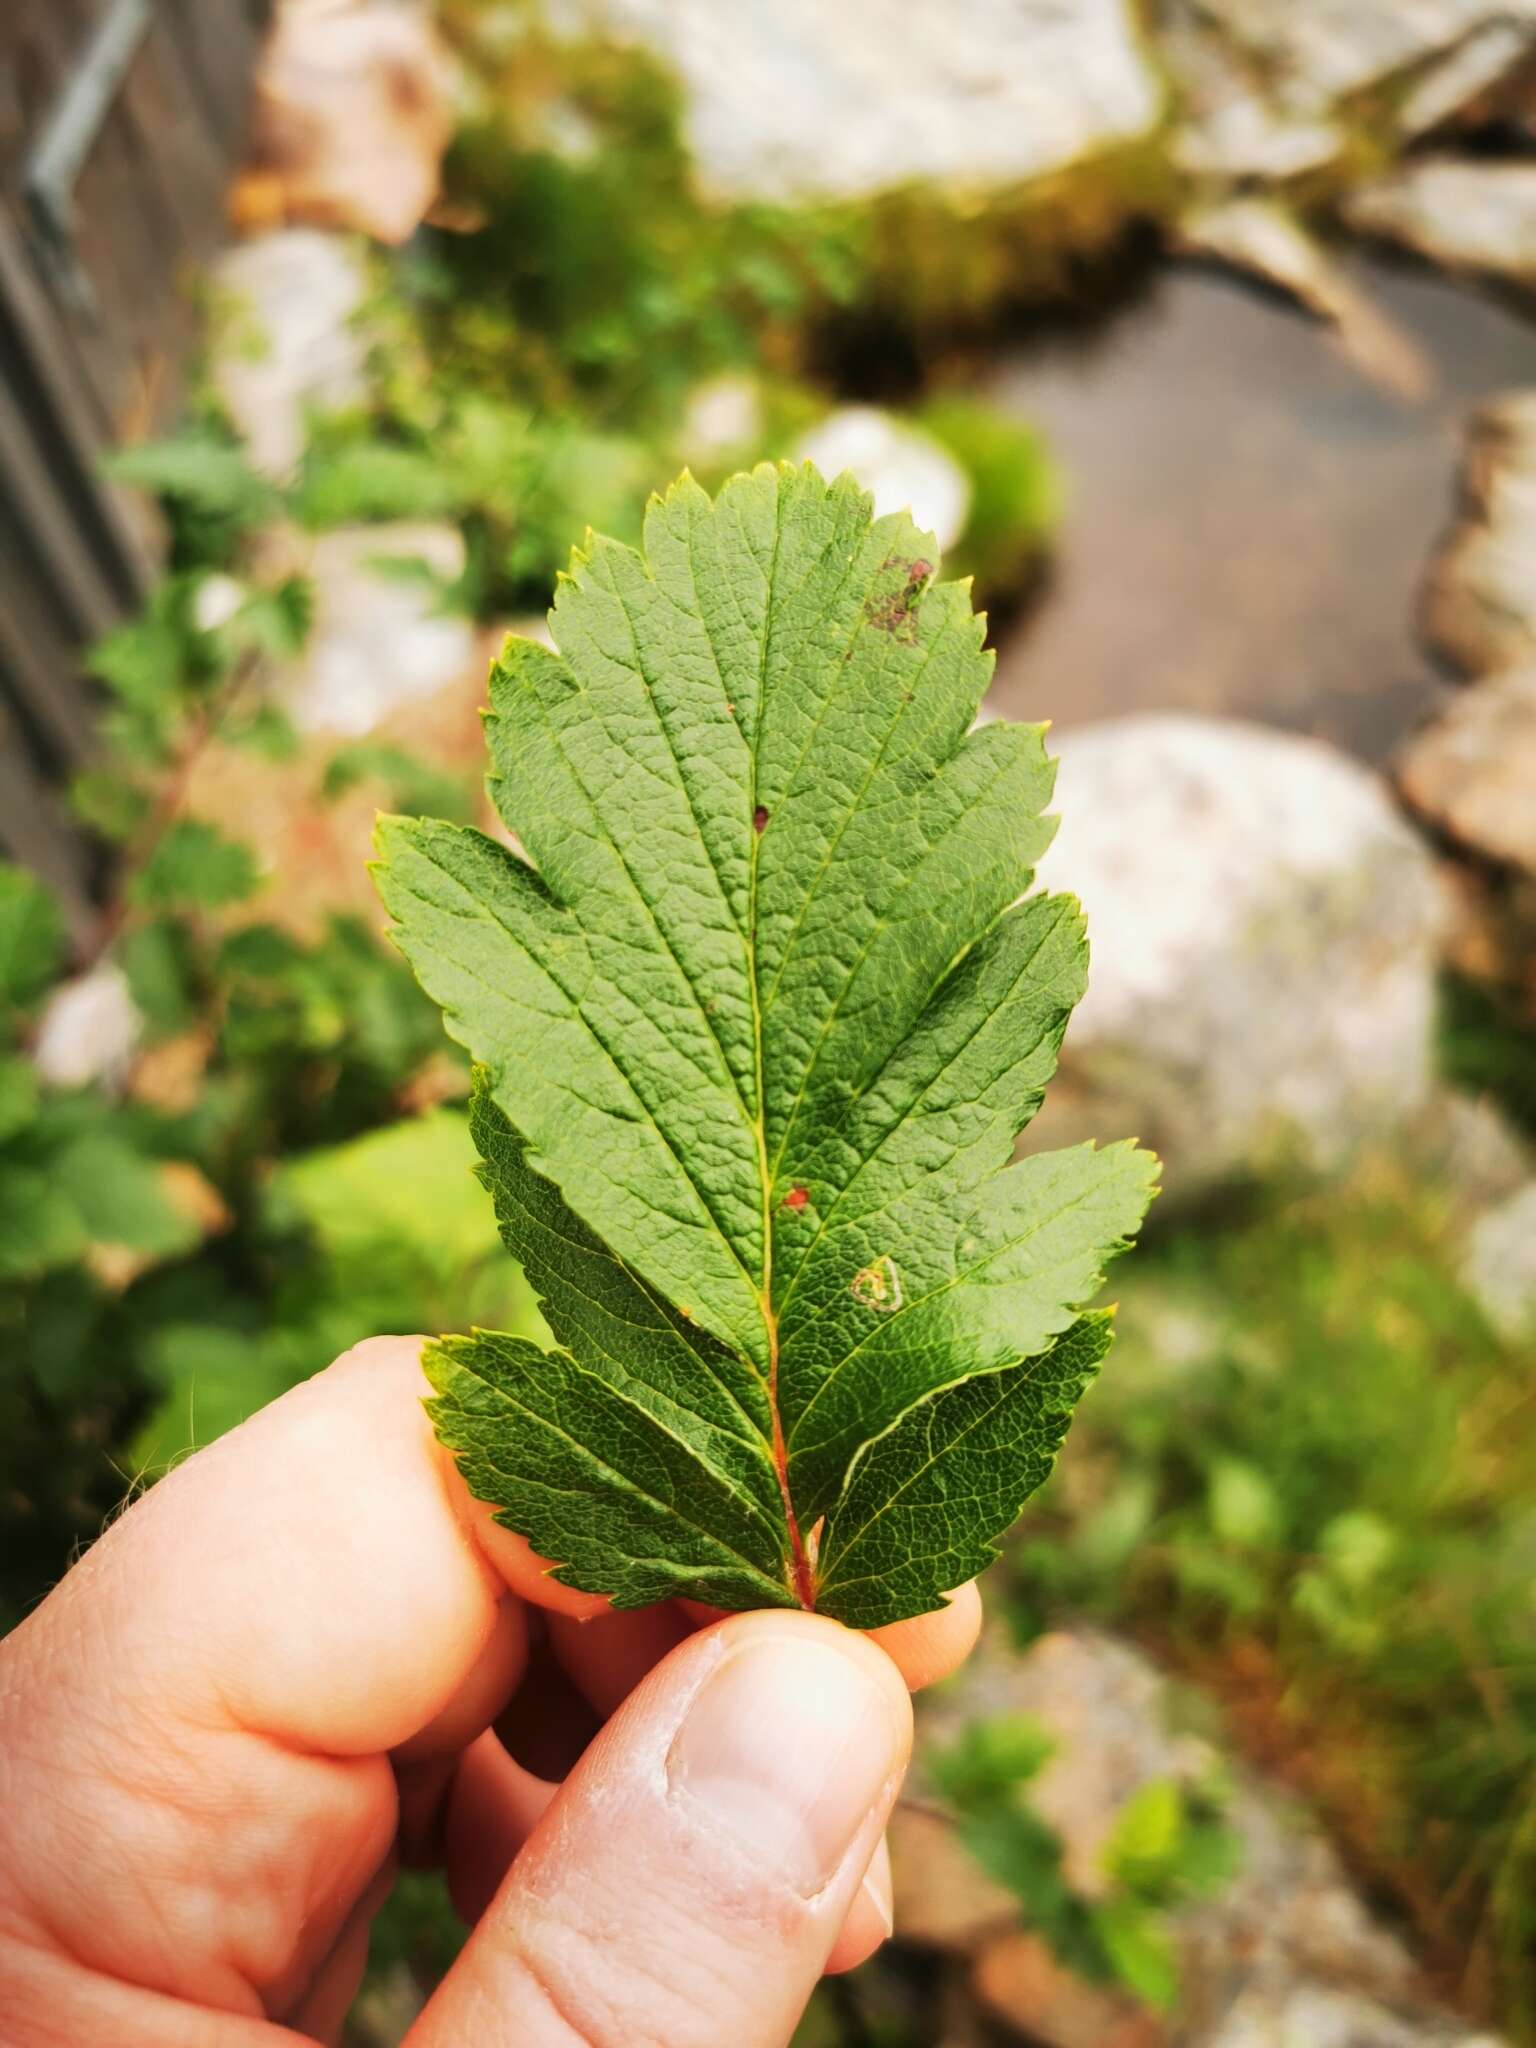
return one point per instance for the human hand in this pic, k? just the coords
(279, 1671)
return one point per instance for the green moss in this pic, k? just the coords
(1015, 492)
(1488, 1047)
(941, 267)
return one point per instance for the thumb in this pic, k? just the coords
(687, 1883)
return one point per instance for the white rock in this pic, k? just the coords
(1479, 606)
(1488, 56)
(88, 1030)
(1246, 138)
(1270, 89)
(217, 599)
(1462, 213)
(799, 99)
(1319, 52)
(1264, 930)
(352, 113)
(903, 469)
(379, 639)
(288, 340)
(1288, 2014)
(1471, 772)
(722, 414)
(1265, 239)
(1230, 131)
(1499, 1266)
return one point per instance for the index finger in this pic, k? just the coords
(315, 1575)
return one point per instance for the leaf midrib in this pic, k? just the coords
(801, 1573)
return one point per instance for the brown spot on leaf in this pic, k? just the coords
(759, 818)
(896, 612)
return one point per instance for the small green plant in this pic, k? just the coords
(1169, 1844)
(756, 1022)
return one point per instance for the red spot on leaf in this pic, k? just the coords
(796, 1199)
(759, 818)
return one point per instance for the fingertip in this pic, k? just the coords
(482, 1693)
(871, 1917)
(510, 1556)
(933, 1646)
(608, 1655)
(493, 1807)
(514, 1559)
(795, 1740)
(383, 1359)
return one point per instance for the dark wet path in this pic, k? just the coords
(1249, 517)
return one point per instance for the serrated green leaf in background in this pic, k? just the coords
(196, 866)
(759, 1017)
(201, 469)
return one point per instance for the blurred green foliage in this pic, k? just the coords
(165, 1270)
(535, 348)
(1015, 492)
(1310, 1480)
(1488, 1045)
(1168, 1845)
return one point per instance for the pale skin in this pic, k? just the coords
(277, 1674)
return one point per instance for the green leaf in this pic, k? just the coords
(1357, 1547)
(194, 865)
(276, 621)
(990, 1758)
(415, 786)
(361, 480)
(660, 1435)
(898, 1526)
(1244, 1508)
(211, 1378)
(31, 938)
(106, 801)
(412, 1183)
(201, 470)
(116, 1192)
(985, 1775)
(1147, 1835)
(40, 1228)
(19, 1094)
(1140, 1951)
(158, 960)
(761, 1014)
